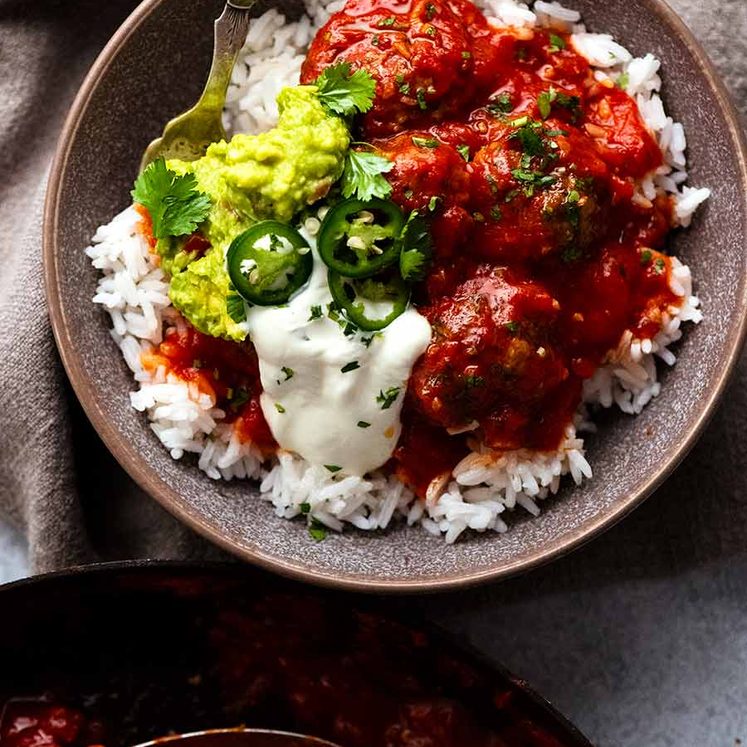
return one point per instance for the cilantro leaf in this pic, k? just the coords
(363, 175)
(417, 248)
(236, 308)
(317, 530)
(175, 204)
(345, 93)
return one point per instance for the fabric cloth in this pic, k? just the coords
(57, 481)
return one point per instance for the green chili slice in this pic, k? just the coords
(269, 262)
(358, 238)
(370, 303)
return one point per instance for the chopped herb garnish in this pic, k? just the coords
(404, 88)
(472, 382)
(363, 424)
(367, 340)
(288, 372)
(521, 53)
(363, 175)
(501, 104)
(420, 96)
(350, 366)
(425, 142)
(375, 40)
(279, 408)
(555, 133)
(238, 398)
(174, 202)
(623, 81)
(346, 93)
(332, 467)
(571, 253)
(409, 194)
(388, 21)
(645, 256)
(417, 248)
(478, 217)
(466, 55)
(463, 151)
(556, 43)
(387, 398)
(544, 102)
(431, 31)
(433, 203)
(659, 266)
(532, 179)
(304, 508)
(512, 327)
(317, 530)
(430, 11)
(315, 312)
(236, 308)
(496, 213)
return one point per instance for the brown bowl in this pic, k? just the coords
(153, 68)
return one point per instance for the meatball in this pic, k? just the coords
(491, 349)
(429, 57)
(541, 193)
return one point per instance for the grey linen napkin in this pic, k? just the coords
(57, 481)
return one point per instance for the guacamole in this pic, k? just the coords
(250, 178)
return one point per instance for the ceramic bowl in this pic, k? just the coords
(152, 69)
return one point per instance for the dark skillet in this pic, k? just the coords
(146, 649)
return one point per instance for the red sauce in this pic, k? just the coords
(225, 370)
(38, 724)
(526, 166)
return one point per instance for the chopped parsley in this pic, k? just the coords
(532, 180)
(279, 408)
(287, 372)
(433, 203)
(556, 43)
(645, 257)
(425, 142)
(463, 151)
(346, 93)
(430, 11)
(236, 308)
(350, 366)
(363, 175)
(431, 31)
(317, 530)
(409, 194)
(530, 139)
(315, 312)
(659, 266)
(404, 88)
(466, 55)
(512, 327)
(420, 96)
(387, 398)
(388, 21)
(623, 81)
(304, 508)
(332, 467)
(363, 424)
(496, 213)
(174, 202)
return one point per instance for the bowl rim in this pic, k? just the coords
(154, 485)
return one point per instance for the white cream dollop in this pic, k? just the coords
(326, 415)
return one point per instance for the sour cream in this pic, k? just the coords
(333, 399)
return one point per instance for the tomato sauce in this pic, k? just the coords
(526, 167)
(225, 370)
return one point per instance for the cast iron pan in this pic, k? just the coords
(143, 649)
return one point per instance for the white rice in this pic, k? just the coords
(484, 485)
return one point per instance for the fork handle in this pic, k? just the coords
(230, 34)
